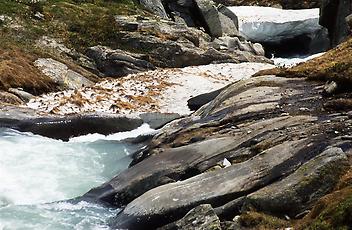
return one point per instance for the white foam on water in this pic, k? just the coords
(142, 130)
(60, 215)
(36, 172)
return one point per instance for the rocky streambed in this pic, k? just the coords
(261, 149)
(265, 143)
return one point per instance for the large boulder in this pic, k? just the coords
(294, 194)
(216, 20)
(218, 23)
(155, 6)
(167, 202)
(61, 74)
(118, 63)
(333, 15)
(211, 16)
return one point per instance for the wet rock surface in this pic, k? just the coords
(64, 127)
(276, 137)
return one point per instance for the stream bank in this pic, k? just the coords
(261, 142)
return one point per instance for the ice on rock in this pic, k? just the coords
(267, 24)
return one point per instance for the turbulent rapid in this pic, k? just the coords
(39, 174)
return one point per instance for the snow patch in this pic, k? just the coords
(290, 62)
(267, 24)
(162, 90)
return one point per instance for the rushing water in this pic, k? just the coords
(38, 174)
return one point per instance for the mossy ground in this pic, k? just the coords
(261, 221)
(78, 24)
(333, 211)
(335, 65)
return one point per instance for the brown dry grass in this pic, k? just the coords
(76, 99)
(124, 105)
(261, 221)
(9, 98)
(335, 65)
(17, 70)
(333, 211)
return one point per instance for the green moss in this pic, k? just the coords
(79, 23)
(332, 212)
(336, 217)
(339, 217)
(12, 8)
(257, 220)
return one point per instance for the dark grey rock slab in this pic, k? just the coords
(155, 6)
(172, 200)
(295, 193)
(202, 217)
(118, 63)
(64, 127)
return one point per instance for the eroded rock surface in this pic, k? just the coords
(311, 181)
(272, 131)
(173, 44)
(118, 63)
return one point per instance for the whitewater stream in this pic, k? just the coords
(39, 174)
